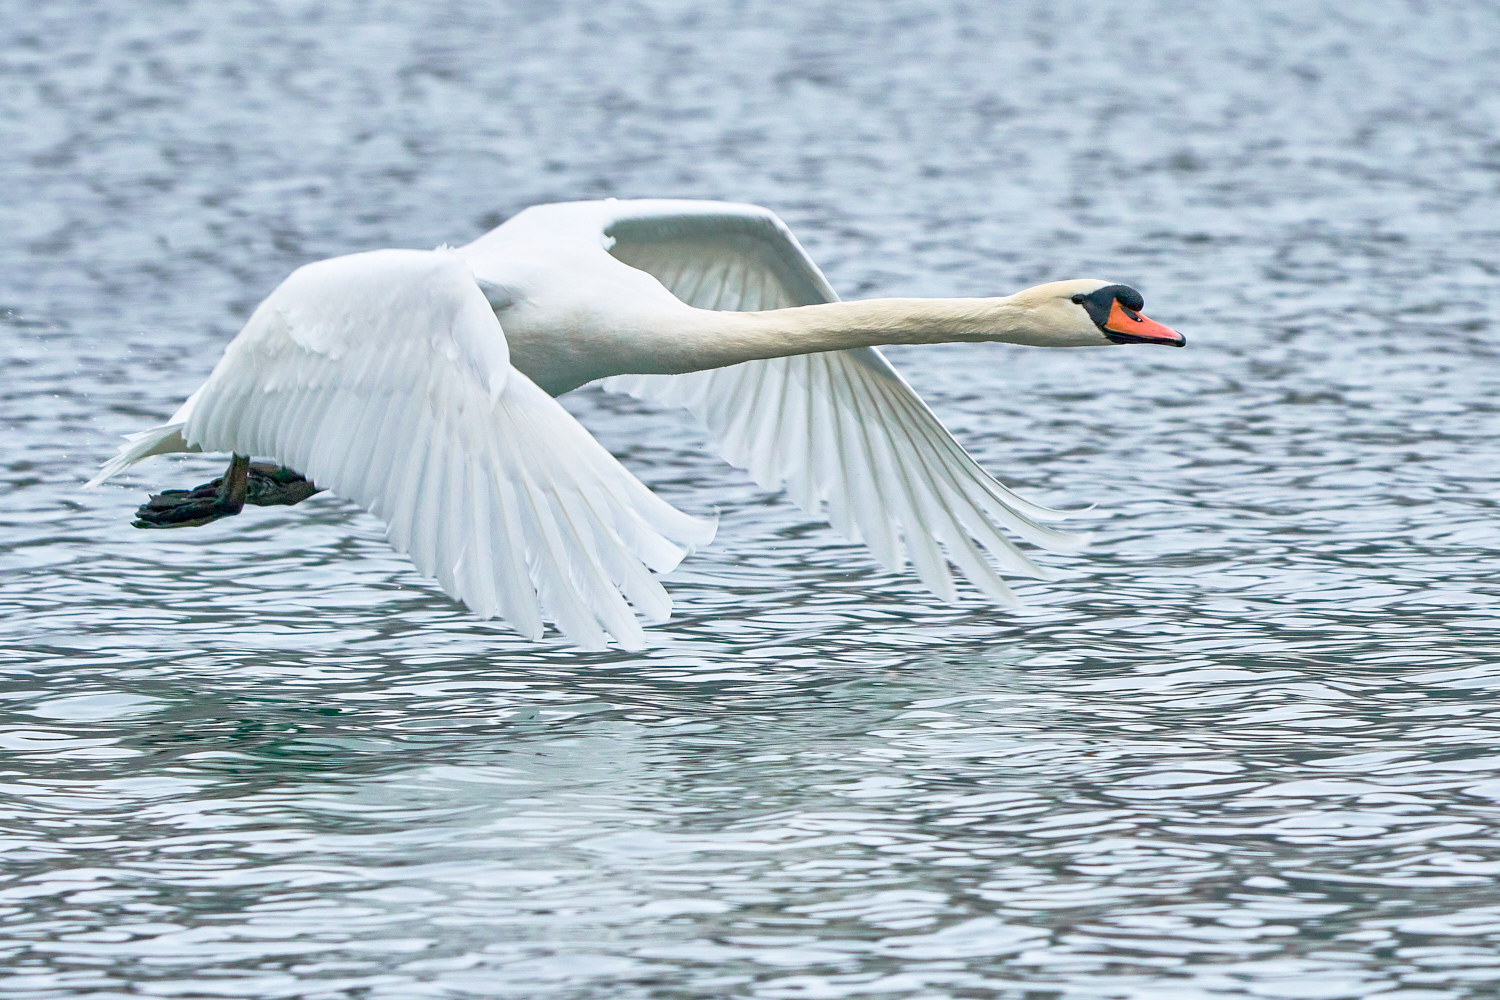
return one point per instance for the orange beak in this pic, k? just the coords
(1127, 327)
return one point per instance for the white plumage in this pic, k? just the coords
(386, 378)
(839, 429)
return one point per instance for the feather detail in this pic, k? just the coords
(385, 378)
(842, 431)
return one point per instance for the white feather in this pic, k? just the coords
(385, 378)
(841, 430)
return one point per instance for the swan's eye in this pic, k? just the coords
(1102, 301)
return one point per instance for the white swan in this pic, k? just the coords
(386, 378)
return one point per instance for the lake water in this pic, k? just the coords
(1247, 746)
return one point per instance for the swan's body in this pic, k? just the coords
(418, 384)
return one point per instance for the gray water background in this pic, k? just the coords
(1247, 746)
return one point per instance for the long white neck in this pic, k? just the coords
(698, 339)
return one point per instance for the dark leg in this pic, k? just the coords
(260, 485)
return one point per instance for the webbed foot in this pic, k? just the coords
(257, 484)
(223, 497)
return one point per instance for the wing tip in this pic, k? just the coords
(1066, 541)
(1054, 514)
(705, 528)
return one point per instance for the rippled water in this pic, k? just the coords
(1248, 746)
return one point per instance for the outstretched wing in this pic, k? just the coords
(385, 378)
(840, 429)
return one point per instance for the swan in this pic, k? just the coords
(421, 385)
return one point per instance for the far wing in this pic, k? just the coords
(385, 378)
(840, 429)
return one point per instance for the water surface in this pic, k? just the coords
(1247, 746)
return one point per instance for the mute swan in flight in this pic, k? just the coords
(419, 385)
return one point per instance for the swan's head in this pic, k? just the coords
(1086, 312)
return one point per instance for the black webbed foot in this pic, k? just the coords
(260, 485)
(181, 508)
(223, 497)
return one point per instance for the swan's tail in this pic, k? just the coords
(159, 440)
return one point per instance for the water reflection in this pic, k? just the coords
(830, 825)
